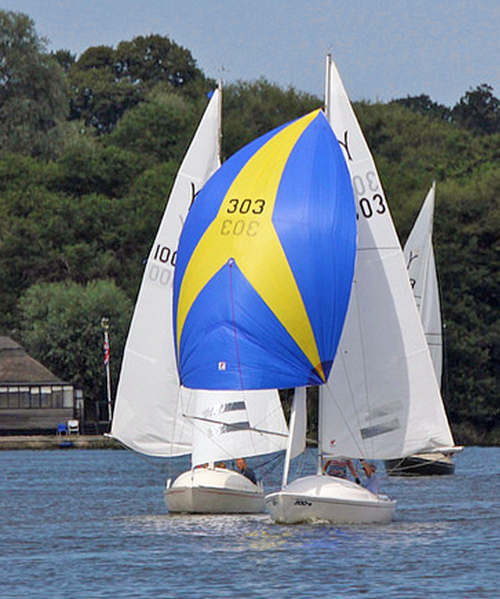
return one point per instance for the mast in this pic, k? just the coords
(327, 85)
(328, 71)
(297, 430)
(219, 124)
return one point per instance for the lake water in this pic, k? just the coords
(80, 524)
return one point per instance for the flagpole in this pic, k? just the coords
(105, 326)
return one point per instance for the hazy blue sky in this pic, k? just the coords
(384, 48)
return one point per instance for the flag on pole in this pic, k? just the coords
(106, 352)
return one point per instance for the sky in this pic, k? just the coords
(384, 49)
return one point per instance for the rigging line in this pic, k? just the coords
(231, 295)
(274, 458)
(347, 424)
(250, 428)
(378, 248)
(408, 467)
(177, 426)
(364, 351)
(361, 448)
(276, 410)
(302, 462)
(151, 459)
(212, 440)
(265, 468)
(326, 389)
(217, 444)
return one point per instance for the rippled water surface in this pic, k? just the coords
(92, 524)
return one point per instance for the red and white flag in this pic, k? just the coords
(106, 352)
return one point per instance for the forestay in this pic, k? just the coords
(265, 264)
(382, 399)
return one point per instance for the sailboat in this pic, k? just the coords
(265, 266)
(154, 415)
(420, 262)
(370, 408)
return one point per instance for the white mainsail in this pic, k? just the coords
(382, 398)
(153, 414)
(420, 261)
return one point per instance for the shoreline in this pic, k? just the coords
(40, 442)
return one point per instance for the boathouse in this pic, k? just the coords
(32, 399)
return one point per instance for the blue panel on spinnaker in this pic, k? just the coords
(265, 264)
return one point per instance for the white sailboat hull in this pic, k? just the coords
(214, 491)
(335, 500)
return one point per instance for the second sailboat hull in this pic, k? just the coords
(318, 498)
(214, 491)
(428, 464)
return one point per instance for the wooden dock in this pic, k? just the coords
(58, 442)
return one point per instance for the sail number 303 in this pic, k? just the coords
(369, 196)
(242, 221)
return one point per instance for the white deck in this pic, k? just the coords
(331, 499)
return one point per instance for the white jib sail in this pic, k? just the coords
(233, 424)
(382, 398)
(420, 261)
(148, 412)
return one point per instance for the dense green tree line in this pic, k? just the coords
(89, 148)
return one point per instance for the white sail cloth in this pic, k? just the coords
(147, 415)
(153, 413)
(382, 398)
(232, 424)
(420, 261)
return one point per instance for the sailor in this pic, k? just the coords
(241, 464)
(372, 478)
(339, 467)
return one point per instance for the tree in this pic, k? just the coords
(98, 96)
(467, 232)
(104, 170)
(108, 82)
(479, 111)
(64, 58)
(424, 105)
(154, 59)
(61, 326)
(252, 109)
(158, 129)
(32, 87)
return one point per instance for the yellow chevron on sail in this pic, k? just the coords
(250, 239)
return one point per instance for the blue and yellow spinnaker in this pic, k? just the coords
(265, 264)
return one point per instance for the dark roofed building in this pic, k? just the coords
(32, 399)
(16, 365)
